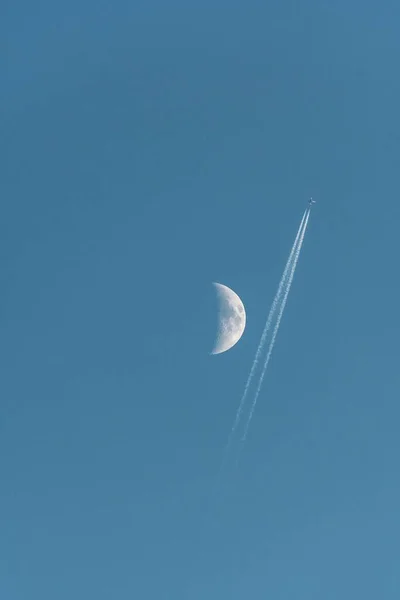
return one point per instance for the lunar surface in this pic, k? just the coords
(231, 319)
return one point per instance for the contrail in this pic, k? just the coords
(266, 329)
(278, 322)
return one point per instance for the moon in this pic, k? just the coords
(231, 319)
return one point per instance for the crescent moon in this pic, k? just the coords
(231, 320)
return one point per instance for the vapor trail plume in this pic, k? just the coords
(278, 322)
(265, 331)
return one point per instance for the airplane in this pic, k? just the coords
(311, 202)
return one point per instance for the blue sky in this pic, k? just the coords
(148, 150)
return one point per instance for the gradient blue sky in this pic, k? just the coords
(150, 148)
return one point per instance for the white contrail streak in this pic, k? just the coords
(266, 329)
(278, 322)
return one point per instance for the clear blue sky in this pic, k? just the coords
(148, 149)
